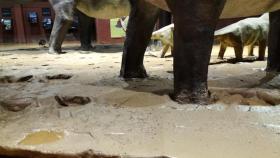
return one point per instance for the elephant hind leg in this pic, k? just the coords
(273, 61)
(64, 12)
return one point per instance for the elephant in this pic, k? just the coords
(104, 9)
(194, 26)
(246, 32)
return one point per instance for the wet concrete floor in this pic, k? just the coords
(72, 103)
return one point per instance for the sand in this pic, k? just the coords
(80, 96)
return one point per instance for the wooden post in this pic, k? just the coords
(20, 36)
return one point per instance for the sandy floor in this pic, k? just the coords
(74, 102)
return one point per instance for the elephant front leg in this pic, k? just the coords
(141, 23)
(64, 12)
(195, 22)
(273, 60)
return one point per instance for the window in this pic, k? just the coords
(6, 12)
(46, 11)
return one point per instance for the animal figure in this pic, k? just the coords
(194, 27)
(165, 35)
(246, 32)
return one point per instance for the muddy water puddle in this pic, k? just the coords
(41, 137)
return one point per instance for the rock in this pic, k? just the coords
(16, 105)
(72, 100)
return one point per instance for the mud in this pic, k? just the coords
(101, 114)
(59, 77)
(72, 100)
(13, 79)
(16, 104)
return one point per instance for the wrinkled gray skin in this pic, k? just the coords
(194, 21)
(246, 32)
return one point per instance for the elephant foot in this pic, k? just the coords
(186, 97)
(87, 48)
(55, 51)
(140, 73)
(220, 58)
